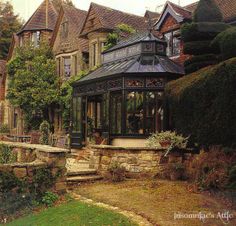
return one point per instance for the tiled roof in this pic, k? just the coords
(110, 18)
(181, 11)
(227, 7)
(43, 18)
(76, 18)
(153, 16)
(2, 67)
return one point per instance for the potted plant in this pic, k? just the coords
(167, 139)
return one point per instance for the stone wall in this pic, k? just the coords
(138, 162)
(45, 157)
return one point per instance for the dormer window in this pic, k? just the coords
(36, 38)
(173, 43)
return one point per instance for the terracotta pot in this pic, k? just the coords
(165, 144)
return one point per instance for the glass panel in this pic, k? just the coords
(150, 112)
(168, 38)
(176, 46)
(67, 66)
(160, 112)
(116, 112)
(78, 118)
(74, 119)
(105, 112)
(134, 116)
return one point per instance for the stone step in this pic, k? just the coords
(77, 179)
(81, 171)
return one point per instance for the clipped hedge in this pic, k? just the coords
(207, 11)
(199, 48)
(203, 104)
(202, 31)
(198, 65)
(197, 59)
(225, 42)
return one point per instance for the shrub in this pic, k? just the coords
(198, 65)
(199, 48)
(8, 182)
(201, 58)
(214, 169)
(203, 104)
(45, 130)
(201, 31)
(225, 42)
(207, 11)
(4, 128)
(171, 137)
(117, 172)
(7, 155)
(49, 198)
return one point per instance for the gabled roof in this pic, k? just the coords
(153, 16)
(75, 18)
(179, 13)
(109, 18)
(44, 18)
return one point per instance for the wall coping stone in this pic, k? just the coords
(111, 147)
(25, 164)
(38, 147)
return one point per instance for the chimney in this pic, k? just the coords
(47, 13)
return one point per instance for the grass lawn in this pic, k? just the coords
(157, 201)
(73, 213)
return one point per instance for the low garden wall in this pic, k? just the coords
(138, 161)
(34, 160)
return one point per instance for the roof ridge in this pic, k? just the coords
(180, 7)
(107, 7)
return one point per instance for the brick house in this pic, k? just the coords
(38, 28)
(100, 21)
(71, 51)
(173, 16)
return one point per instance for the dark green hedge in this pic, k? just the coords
(197, 59)
(203, 104)
(199, 48)
(198, 65)
(202, 31)
(207, 11)
(226, 43)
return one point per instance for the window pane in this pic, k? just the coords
(116, 109)
(134, 116)
(150, 112)
(176, 46)
(168, 38)
(78, 117)
(67, 66)
(74, 114)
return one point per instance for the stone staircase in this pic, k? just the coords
(78, 169)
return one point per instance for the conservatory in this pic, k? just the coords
(123, 98)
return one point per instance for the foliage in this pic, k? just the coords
(198, 48)
(214, 169)
(49, 198)
(207, 11)
(8, 182)
(121, 31)
(4, 128)
(9, 24)
(202, 31)
(203, 104)
(117, 172)
(33, 85)
(7, 155)
(173, 138)
(225, 42)
(45, 130)
(197, 36)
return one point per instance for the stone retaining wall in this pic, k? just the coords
(138, 162)
(45, 157)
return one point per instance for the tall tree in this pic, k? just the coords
(57, 3)
(9, 24)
